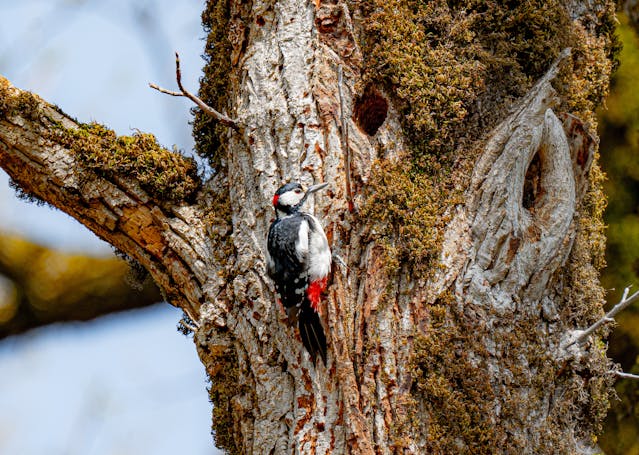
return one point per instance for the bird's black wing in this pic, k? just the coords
(288, 270)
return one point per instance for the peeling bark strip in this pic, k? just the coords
(461, 360)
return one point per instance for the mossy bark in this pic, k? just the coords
(471, 253)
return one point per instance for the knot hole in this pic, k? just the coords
(533, 190)
(370, 110)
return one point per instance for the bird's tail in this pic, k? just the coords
(312, 332)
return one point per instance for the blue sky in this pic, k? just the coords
(125, 384)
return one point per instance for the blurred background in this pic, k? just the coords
(129, 383)
(619, 148)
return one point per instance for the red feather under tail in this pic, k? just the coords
(314, 292)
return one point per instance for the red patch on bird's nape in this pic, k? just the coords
(275, 198)
(314, 292)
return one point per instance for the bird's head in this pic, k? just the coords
(289, 198)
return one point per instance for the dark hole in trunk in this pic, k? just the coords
(370, 111)
(532, 183)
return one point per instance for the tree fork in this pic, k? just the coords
(463, 358)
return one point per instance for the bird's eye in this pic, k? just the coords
(298, 191)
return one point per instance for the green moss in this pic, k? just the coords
(452, 384)
(165, 175)
(210, 136)
(405, 209)
(21, 103)
(414, 49)
(444, 61)
(455, 392)
(211, 140)
(584, 297)
(224, 386)
(452, 69)
(5, 97)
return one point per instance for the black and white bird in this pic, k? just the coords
(299, 261)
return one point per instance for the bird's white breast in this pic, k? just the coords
(318, 252)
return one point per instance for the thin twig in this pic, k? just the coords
(339, 261)
(225, 120)
(347, 149)
(623, 375)
(609, 316)
(191, 327)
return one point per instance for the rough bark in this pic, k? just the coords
(466, 357)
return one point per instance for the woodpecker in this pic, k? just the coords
(299, 261)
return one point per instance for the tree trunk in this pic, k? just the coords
(463, 200)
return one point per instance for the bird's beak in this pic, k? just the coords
(310, 191)
(314, 188)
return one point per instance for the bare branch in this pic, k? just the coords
(163, 90)
(99, 286)
(623, 375)
(608, 317)
(225, 120)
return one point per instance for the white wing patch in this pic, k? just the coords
(302, 243)
(319, 252)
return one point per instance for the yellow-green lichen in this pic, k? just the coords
(165, 175)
